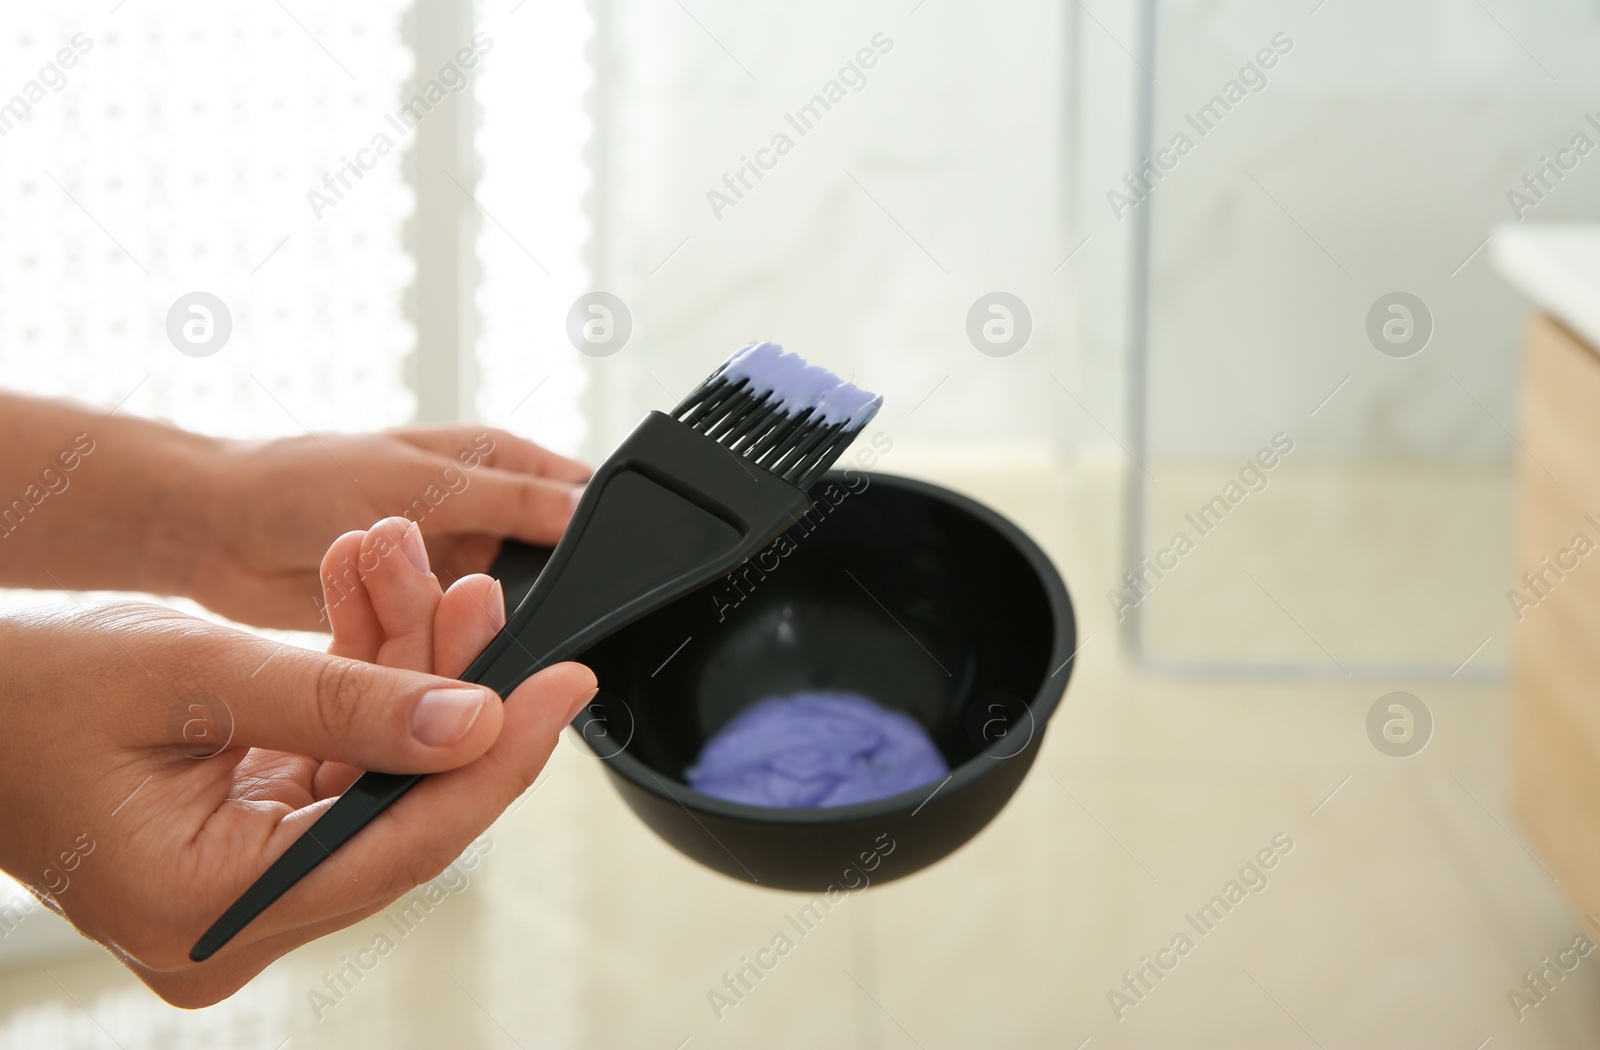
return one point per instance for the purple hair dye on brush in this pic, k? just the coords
(797, 386)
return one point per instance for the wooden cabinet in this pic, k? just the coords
(1556, 640)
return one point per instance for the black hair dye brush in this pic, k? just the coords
(686, 498)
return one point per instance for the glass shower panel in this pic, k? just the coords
(1325, 396)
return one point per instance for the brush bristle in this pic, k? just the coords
(778, 412)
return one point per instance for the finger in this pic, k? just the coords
(437, 820)
(357, 633)
(331, 779)
(333, 708)
(534, 510)
(402, 591)
(496, 448)
(413, 841)
(516, 454)
(469, 616)
(461, 554)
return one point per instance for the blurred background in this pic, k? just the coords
(1252, 274)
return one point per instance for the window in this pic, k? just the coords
(149, 151)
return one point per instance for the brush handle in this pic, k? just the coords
(668, 511)
(371, 794)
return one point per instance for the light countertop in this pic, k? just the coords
(1557, 266)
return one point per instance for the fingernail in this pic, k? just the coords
(497, 606)
(416, 551)
(575, 495)
(443, 716)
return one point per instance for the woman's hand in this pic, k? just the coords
(283, 502)
(154, 765)
(95, 501)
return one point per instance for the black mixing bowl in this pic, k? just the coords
(922, 599)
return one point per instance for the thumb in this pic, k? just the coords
(335, 709)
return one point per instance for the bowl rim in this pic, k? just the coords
(1042, 705)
